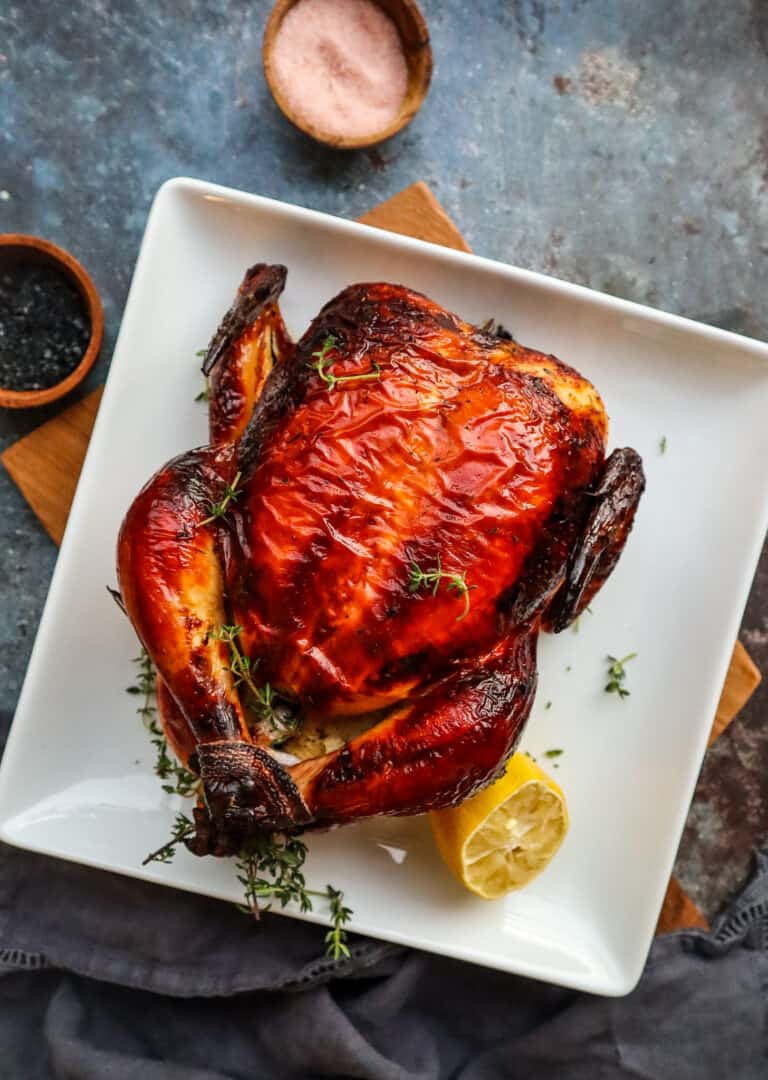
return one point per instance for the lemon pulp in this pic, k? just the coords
(503, 837)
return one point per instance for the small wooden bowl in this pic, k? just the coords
(33, 248)
(411, 26)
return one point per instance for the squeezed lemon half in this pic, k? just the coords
(503, 837)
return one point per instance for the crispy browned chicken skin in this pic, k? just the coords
(407, 500)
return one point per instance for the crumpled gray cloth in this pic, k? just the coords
(105, 978)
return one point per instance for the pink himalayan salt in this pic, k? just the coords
(340, 66)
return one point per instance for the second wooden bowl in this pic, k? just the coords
(42, 251)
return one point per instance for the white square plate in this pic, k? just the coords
(76, 780)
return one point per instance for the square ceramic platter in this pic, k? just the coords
(76, 779)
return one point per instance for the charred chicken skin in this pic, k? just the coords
(386, 515)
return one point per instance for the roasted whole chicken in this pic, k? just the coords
(386, 516)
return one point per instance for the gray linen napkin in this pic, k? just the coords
(106, 977)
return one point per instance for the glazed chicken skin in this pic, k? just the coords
(387, 515)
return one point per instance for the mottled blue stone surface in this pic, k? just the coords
(620, 145)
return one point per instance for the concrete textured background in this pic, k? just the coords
(622, 145)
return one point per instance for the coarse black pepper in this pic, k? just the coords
(44, 324)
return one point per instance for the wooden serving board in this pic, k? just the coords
(46, 465)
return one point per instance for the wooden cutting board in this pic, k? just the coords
(46, 465)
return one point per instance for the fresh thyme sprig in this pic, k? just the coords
(617, 675)
(431, 578)
(271, 869)
(179, 781)
(322, 364)
(247, 864)
(336, 938)
(282, 722)
(239, 664)
(205, 393)
(264, 697)
(220, 508)
(320, 356)
(183, 828)
(663, 444)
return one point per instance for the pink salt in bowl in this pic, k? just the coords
(348, 73)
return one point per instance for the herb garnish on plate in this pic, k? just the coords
(270, 867)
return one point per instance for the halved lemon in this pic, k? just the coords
(503, 837)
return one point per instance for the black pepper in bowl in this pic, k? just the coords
(44, 324)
